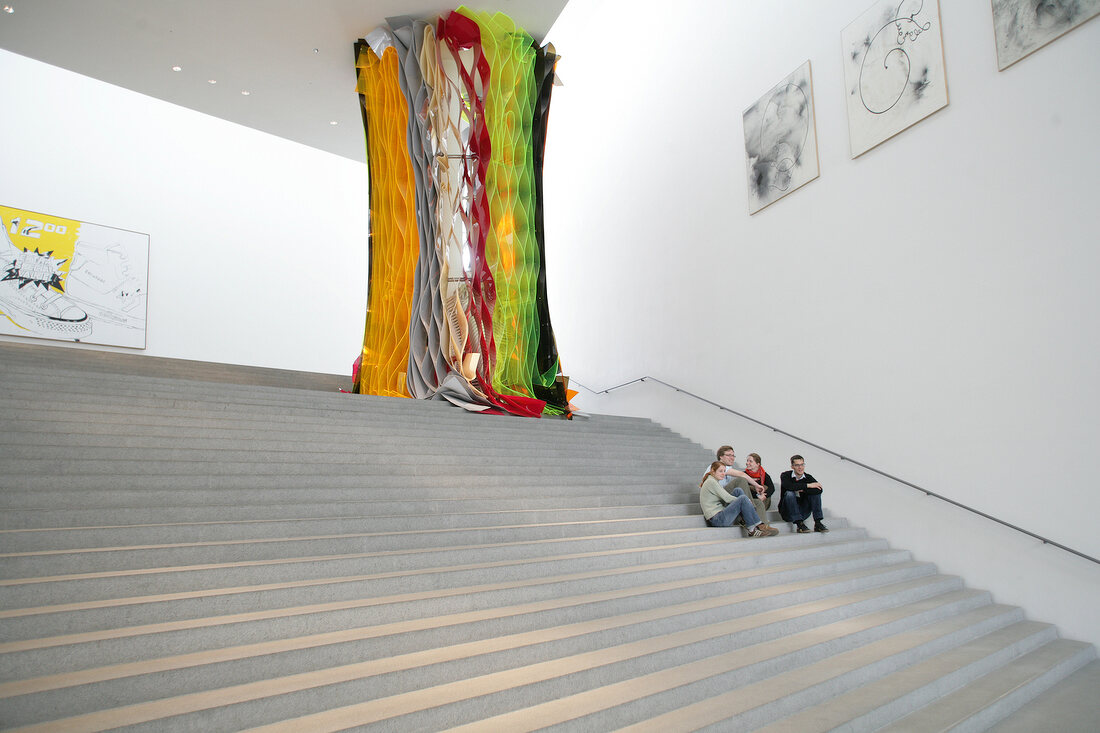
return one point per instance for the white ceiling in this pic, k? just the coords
(294, 57)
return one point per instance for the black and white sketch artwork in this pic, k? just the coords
(893, 70)
(1023, 26)
(781, 140)
(70, 280)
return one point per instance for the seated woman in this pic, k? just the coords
(739, 482)
(755, 469)
(722, 509)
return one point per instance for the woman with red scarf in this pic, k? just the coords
(754, 468)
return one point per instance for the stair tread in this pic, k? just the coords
(536, 636)
(956, 707)
(437, 695)
(549, 579)
(561, 602)
(768, 691)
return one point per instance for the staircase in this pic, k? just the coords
(194, 554)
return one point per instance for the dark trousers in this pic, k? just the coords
(800, 508)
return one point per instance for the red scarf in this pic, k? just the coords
(759, 475)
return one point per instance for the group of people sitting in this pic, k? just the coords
(730, 494)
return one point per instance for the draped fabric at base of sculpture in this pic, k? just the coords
(455, 114)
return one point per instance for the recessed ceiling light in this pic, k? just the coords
(334, 122)
(9, 9)
(211, 81)
(245, 92)
(177, 68)
(316, 50)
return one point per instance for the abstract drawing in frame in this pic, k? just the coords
(894, 72)
(1024, 26)
(781, 140)
(72, 280)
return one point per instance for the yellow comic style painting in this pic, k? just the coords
(70, 280)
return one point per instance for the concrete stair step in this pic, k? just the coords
(445, 497)
(37, 358)
(45, 409)
(31, 444)
(113, 417)
(40, 414)
(138, 466)
(886, 699)
(362, 460)
(48, 655)
(1070, 705)
(58, 384)
(612, 519)
(106, 585)
(29, 622)
(999, 693)
(378, 551)
(414, 567)
(42, 516)
(448, 483)
(420, 686)
(497, 692)
(764, 700)
(679, 630)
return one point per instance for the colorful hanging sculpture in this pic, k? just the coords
(457, 248)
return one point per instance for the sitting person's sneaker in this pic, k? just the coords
(761, 531)
(820, 527)
(801, 527)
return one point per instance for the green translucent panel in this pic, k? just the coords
(511, 248)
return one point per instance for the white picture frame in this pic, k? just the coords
(894, 70)
(1022, 27)
(781, 140)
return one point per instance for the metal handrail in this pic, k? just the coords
(842, 457)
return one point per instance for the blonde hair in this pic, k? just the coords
(713, 467)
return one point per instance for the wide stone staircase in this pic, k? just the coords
(194, 554)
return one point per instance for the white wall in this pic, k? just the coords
(928, 309)
(258, 246)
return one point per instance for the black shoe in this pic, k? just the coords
(801, 527)
(820, 527)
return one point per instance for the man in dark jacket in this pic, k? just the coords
(800, 496)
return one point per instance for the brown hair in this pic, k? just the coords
(723, 449)
(713, 466)
(796, 457)
(756, 457)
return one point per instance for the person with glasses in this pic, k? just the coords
(736, 482)
(722, 509)
(800, 497)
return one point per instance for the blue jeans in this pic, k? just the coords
(799, 508)
(741, 506)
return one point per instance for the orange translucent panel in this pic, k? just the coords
(395, 244)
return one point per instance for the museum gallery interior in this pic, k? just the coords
(362, 361)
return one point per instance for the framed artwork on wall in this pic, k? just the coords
(781, 139)
(1024, 26)
(894, 72)
(72, 280)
